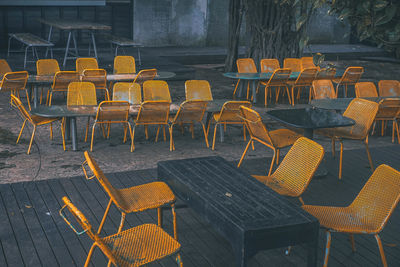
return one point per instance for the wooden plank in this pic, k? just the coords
(18, 224)
(43, 249)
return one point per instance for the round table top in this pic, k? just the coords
(266, 75)
(340, 103)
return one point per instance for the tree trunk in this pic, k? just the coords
(236, 9)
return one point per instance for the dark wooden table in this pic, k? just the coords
(251, 216)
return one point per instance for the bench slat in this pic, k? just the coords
(30, 39)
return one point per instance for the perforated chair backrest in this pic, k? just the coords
(96, 76)
(14, 81)
(299, 165)
(156, 90)
(198, 90)
(47, 67)
(81, 93)
(326, 74)
(308, 62)
(124, 65)
(246, 65)
(279, 77)
(113, 111)
(63, 78)
(389, 108)
(307, 76)
(4, 67)
(378, 198)
(254, 124)
(17, 103)
(130, 92)
(323, 89)
(294, 64)
(389, 88)
(153, 112)
(269, 64)
(352, 75)
(86, 63)
(145, 75)
(230, 111)
(191, 111)
(363, 112)
(366, 89)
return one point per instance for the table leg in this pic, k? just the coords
(208, 119)
(74, 134)
(35, 96)
(67, 48)
(67, 128)
(254, 91)
(312, 250)
(322, 170)
(94, 44)
(221, 132)
(48, 39)
(241, 86)
(75, 44)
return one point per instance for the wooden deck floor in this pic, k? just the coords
(33, 234)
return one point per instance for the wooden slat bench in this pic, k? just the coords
(29, 40)
(122, 42)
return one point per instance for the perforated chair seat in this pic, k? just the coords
(144, 197)
(230, 118)
(283, 137)
(141, 245)
(38, 120)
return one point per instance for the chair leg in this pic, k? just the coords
(293, 96)
(244, 132)
(164, 135)
(131, 135)
(333, 148)
(27, 98)
(104, 217)
(205, 134)
(158, 130)
(146, 132)
(393, 130)
(277, 157)
(383, 258)
(30, 143)
(51, 96)
(20, 132)
(272, 163)
(171, 141)
(340, 159)
(353, 243)
(192, 130)
(160, 217)
(327, 248)
(234, 91)
(51, 131)
(291, 101)
(121, 224)
(179, 260)
(63, 132)
(133, 138)
(174, 221)
(369, 154)
(215, 133)
(91, 141)
(244, 152)
(89, 256)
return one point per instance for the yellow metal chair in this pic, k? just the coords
(269, 65)
(4, 67)
(198, 90)
(278, 79)
(83, 63)
(365, 89)
(389, 111)
(145, 75)
(304, 80)
(133, 247)
(326, 74)
(131, 92)
(14, 82)
(111, 112)
(363, 112)
(229, 114)
(308, 62)
(294, 64)
(389, 88)
(276, 140)
(61, 81)
(323, 89)
(294, 174)
(367, 214)
(99, 78)
(245, 65)
(124, 65)
(156, 90)
(189, 112)
(152, 113)
(34, 120)
(351, 76)
(46, 67)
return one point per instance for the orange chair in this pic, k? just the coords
(294, 174)
(189, 112)
(276, 140)
(294, 64)
(269, 64)
(145, 75)
(124, 65)
(198, 90)
(34, 120)
(245, 65)
(323, 89)
(46, 67)
(136, 246)
(308, 62)
(99, 78)
(363, 112)
(278, 79)
(229, 114)
(366, 89)
(61, 81)
(4, 67)
(304, 80)
(131, 92)
(367, 214)
(155, 90)
(389, 111)
(389, 88)
(326, 74)
(351, 76)
(85, 63)
(14, 82)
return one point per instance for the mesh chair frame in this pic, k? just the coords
(145, 75)
(389, 88)
(305, 79)
(389, 111)
(367, 214)
(14, 82)
(99, 78)
(124, 65)
(122, 248)
(245, 65)
(61, 81)
(351, 76)
(155, 90)
(323, 89)
(126, 91)
(198, 90)
(276, 140)
(83, 63)
(269, 65)
(278, 79)
(4, 67)
(365, 89)
(326, 74)
(308, 62)
(294, 64)
(46, 67)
